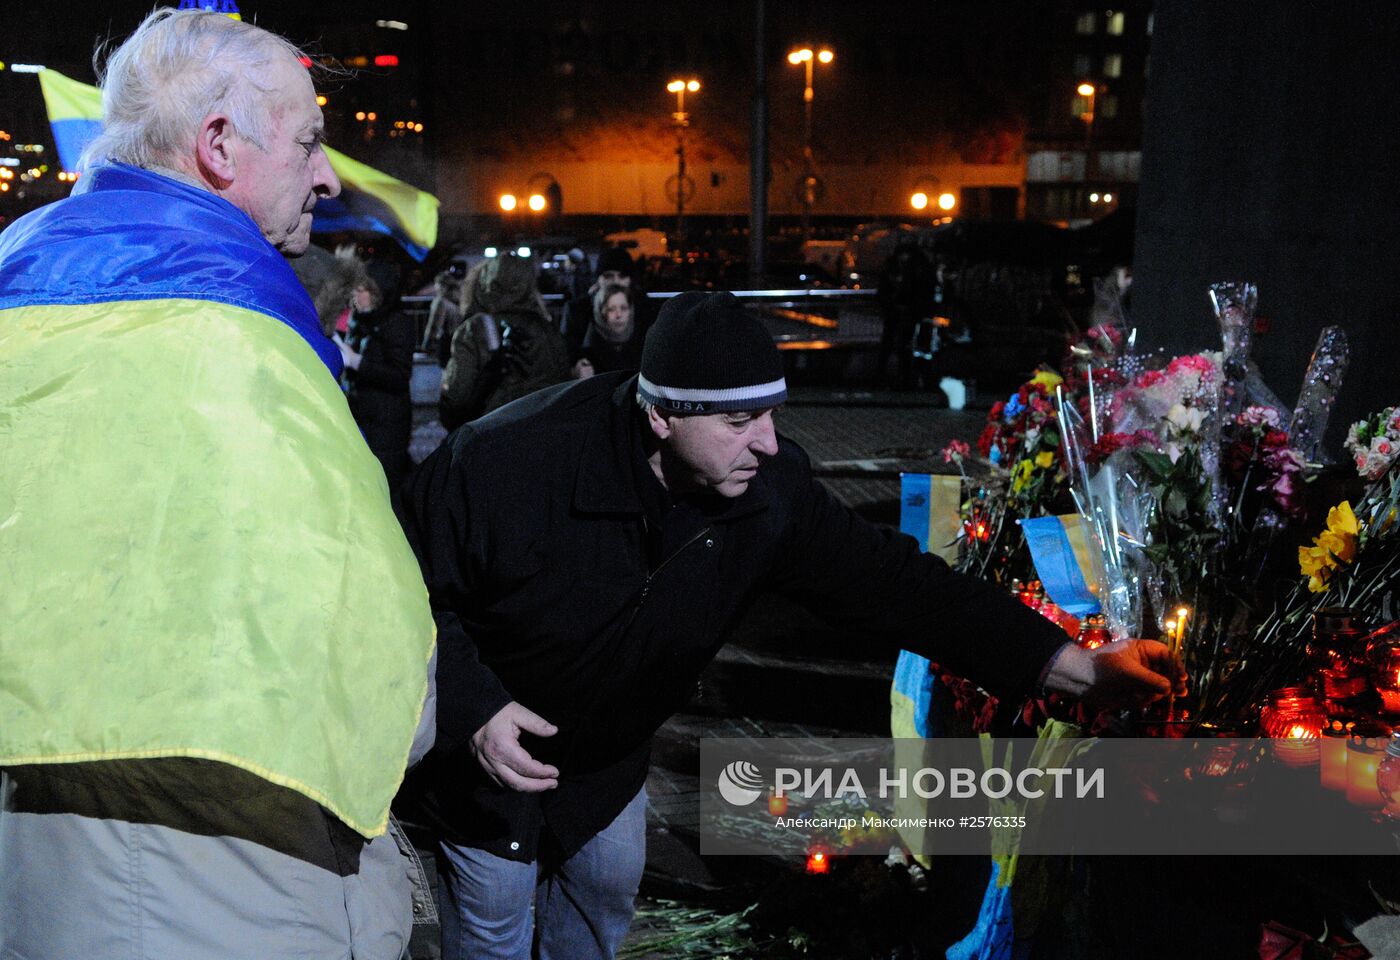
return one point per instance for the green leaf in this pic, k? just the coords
(1159, 465)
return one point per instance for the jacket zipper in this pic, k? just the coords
(646, 584)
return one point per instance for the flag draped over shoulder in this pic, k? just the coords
(198, 551)
(370, 200)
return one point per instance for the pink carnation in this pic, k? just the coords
(1194, 362)
(1257, 416)
(956, 450)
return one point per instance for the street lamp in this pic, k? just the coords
(1087, 91)
(680, 87)
(806, 57)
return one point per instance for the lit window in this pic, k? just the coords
(1081, 64)
(1108, 106)
(1079, 106)
(1085, 23)
(1149, 24)
(1113, 22)
(1112, 65)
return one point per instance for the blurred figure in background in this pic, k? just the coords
(333, 286)
(616, 268)
(378, 353)
(506, 347)
(614, 341)
(906, 292)
(445, 312)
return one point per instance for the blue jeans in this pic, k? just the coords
(581, 907)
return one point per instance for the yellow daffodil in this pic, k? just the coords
(1023, 476)
(1332, 548)
(1045, 459)
(1048, 379)
(1340, 519)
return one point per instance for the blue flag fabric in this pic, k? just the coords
(1064, 566)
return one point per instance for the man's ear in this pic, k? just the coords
(216, 147)
(660, 423)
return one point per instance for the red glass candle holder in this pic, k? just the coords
(1293, 718)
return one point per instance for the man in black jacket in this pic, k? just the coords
(587, 549)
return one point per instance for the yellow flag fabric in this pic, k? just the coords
(414, 212)
(68, 99)
(198, 555)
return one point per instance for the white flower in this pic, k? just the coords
(1173, 452)
(1354, 434)
(1185, 419)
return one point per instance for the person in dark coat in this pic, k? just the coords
(615, 268)
(906, 294)
(614, 342)
(378, 352)
(505, 348)
(586, 551)
(445, 312)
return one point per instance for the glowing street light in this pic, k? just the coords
(806, 57)
(947, 201)
(1088, 91)
(508, 202)
(536, 202)
(919, 201)
(680, 86)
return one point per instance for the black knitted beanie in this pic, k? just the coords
(707, 354)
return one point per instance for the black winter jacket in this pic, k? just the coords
(379, 389)
(529, 524)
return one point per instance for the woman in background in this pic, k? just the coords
(614, 339)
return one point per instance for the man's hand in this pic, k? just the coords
(1129, 673)
(497, 748)
(583, 369)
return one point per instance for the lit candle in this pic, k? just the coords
(1181, 615)
(1364, 755)
(1293, 719)
(1334, 753)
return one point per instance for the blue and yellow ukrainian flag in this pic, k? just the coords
(369, 200)
(928, 512)
(1066, 560)
(199, 557)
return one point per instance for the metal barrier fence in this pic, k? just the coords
(800, 319)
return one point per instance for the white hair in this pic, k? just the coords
(176, 69)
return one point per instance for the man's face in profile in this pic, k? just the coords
(278, 184)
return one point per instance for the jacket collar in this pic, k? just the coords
(605, 482)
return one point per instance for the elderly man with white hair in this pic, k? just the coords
(204, 714)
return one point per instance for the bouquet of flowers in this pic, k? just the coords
(1353, 561)
(1016, 472)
